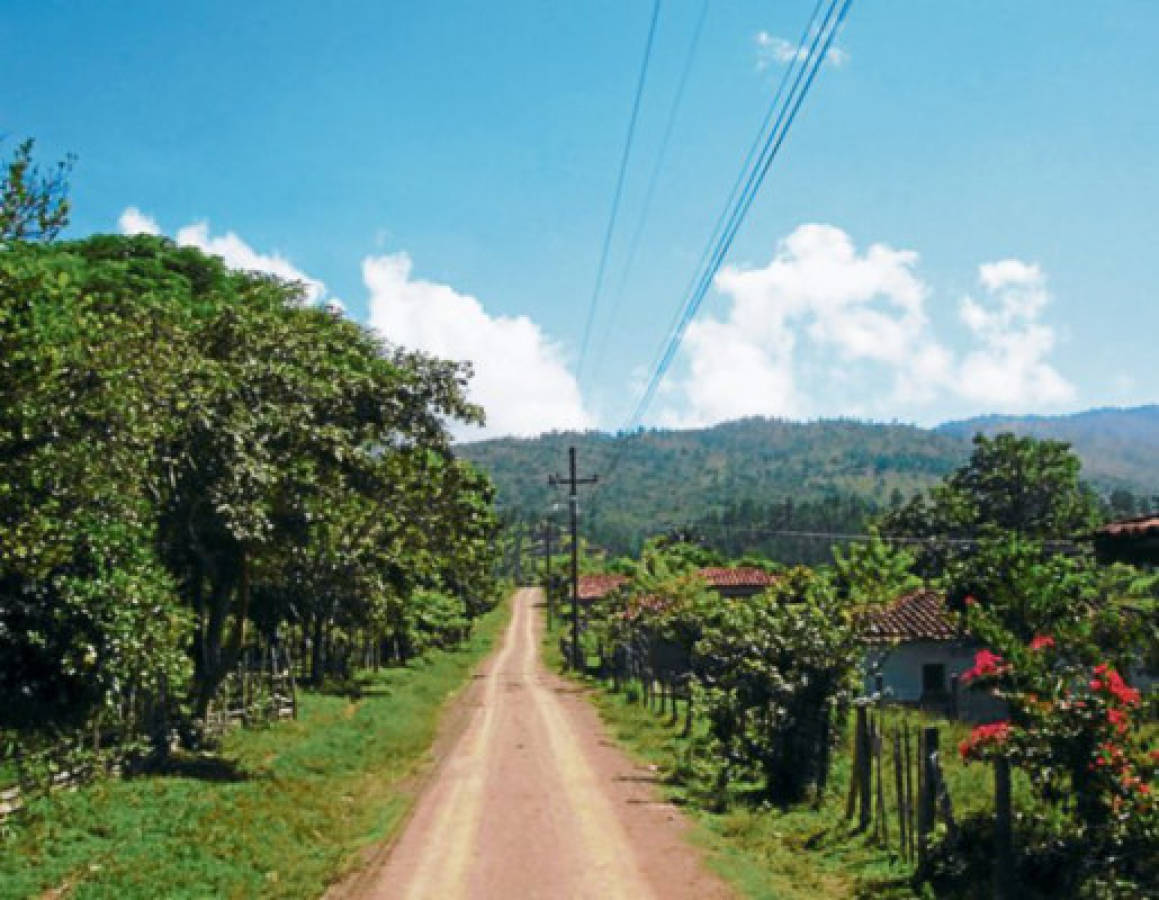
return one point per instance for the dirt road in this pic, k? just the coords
(532, 800)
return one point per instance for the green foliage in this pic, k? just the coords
(281, 812)
(189, 452)
(1076, 729)
(34, 205)
(736, 484)
(1010, 484)
(774, 674)
(873, 573)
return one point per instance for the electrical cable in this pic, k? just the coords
(653, 179)
(624, 156)
(770, 139)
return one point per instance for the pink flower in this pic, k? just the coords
(969, 601)
(994, 734)
(985, 663)
(1112, 682)
(1041, 642)
(1118, 719)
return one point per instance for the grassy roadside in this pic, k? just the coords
(282, 814)
(800, 854)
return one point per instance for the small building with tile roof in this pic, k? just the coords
(736, 581)
(597, 587)
(917, 649)
(1134, 540)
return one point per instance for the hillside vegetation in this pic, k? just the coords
(739, 481)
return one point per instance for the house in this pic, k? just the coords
(1134, 541)
(915, 648)
(597, 587)
(739, 581)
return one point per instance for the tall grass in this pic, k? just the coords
(280, 812)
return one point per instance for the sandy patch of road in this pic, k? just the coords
(531, 800)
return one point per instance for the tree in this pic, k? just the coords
(34, 205)
(1010, 484)
(873, 573)
(187, 452)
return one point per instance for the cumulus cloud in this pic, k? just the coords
(1009, 370)
(772, 49)
(826, 329)
(133, 221)
(521, 378)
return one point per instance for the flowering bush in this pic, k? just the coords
(1074, 728)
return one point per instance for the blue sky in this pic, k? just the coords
(963, 219)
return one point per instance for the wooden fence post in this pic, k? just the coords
(878, 744)
(1003, 832)
(910, 810)
(927, 798)
(899, 790)
(864, 768)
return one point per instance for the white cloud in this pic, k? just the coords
(133, 221)
(825, 329)
(1009, 371)
(521, 379)
(772, 49)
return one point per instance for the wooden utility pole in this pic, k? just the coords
(573, 507)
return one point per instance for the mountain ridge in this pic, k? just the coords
(762, 469)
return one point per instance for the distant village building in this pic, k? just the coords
(738, 581)
(1134, 541)
(597, 587)
(916, 650)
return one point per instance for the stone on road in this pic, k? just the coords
(532, 800)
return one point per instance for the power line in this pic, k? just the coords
(601, 268)
(742, 177)
(851, 535)
(653, 179)
(776, 138)
(737, 207)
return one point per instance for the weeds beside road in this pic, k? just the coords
(280, 812)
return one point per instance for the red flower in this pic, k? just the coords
(969, 601)
(985, 663)
(994, 734)
(1112, 682)
(1118, 719)
(1041, 642)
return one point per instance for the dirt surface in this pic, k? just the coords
(531, 799)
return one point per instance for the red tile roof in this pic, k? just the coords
(596, 587)
(741, 576)
(1140, 526)
(920, 615)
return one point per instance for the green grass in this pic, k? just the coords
(805, 852)
(282, 813)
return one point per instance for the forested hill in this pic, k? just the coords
(1119, 447)
(830, 471)
(739, 481)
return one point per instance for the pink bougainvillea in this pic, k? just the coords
(985, 663)
(993, 734)
(1108, 681)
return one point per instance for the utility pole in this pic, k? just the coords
(573, 506)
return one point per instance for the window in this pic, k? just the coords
(933, 678)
